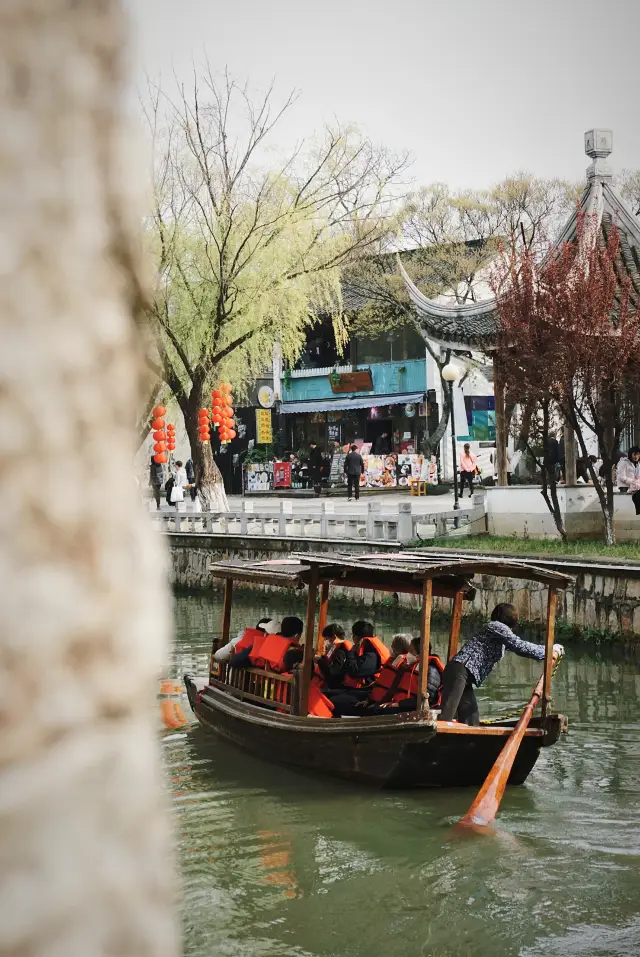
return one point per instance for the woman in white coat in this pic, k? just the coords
(180, 483)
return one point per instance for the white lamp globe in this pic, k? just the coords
(450, 372)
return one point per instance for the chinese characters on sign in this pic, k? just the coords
(264, 431)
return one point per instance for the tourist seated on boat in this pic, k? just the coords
(400, 648)
(245, 638)
(269, 652)
(363, 665)
(475, 661)
(396, 687)
(331, 667)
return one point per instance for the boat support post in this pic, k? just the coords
(548, 648)
(454, 631)
(322, 616)
(226, 620)
(309, 644)
(422, 704)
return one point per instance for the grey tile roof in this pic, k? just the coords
(476, 325)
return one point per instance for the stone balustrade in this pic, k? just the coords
(377, 524)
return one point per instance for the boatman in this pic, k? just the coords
(476, 661)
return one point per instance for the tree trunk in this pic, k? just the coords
(84, 620)
(209, 480)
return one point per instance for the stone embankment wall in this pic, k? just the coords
(604, 597)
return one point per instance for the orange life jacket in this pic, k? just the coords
(383, 654)
(319, 704)
(408, 685)
(270, 653)
(250, 636)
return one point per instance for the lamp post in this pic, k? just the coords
(450, 374)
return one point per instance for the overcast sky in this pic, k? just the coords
(474, 89)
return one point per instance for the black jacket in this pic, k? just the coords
(353, 464)
(334, 669)
(365, 666)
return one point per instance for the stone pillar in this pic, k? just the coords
(405, 522)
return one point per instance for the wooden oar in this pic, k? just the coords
(485, 807)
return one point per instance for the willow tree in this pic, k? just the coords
(249, 250)
(84, 618)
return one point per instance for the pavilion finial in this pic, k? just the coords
(598, 145)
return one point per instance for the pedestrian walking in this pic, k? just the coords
(191, 478)
(315, 467)
(180, 483)
(628, 475)
(353, 468)
(156, 479)
(468, 469)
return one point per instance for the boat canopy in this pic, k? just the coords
(404, 572)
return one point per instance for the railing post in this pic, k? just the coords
(373, 511)
(405, 523)
(246, 507)
(285, 510)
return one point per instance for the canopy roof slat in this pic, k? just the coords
(403, 572)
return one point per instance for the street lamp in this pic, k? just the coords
(450, 374)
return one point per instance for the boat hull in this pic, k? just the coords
(390, 751)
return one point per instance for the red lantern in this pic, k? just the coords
(159, 447)
(157, 424)
(159, 411)
(215, 396)
(158, 436)
(232, 434)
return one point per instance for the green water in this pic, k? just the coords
(279, 863)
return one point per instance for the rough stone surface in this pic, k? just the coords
(85, 848)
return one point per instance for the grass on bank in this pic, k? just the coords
(543, 548)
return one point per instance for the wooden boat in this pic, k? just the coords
(266, 713)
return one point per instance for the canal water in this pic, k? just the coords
(280, 863)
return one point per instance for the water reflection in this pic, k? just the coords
(278, 862)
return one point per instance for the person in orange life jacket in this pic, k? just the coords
(477, 659)
(407, 663)
(332, 665)
(291, 627)
(362, 665)
(468, 468)
(225, 652)
(362, 662)
(400, 648)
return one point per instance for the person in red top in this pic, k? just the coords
(468, 468)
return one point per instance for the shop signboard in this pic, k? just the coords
(409, 466)
(380, 471)
(336, 475)
(333, 432)
(282, 474)
(264, 430)
(258, 476)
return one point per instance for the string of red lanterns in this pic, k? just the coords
(222, 412)
(159, 435)
(203, 425)
(171, 437)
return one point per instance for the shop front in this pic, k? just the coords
(386, 424)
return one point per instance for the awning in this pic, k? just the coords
(351, 402)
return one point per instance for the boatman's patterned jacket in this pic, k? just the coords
(485, 649)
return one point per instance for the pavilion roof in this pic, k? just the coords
(475, 325)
